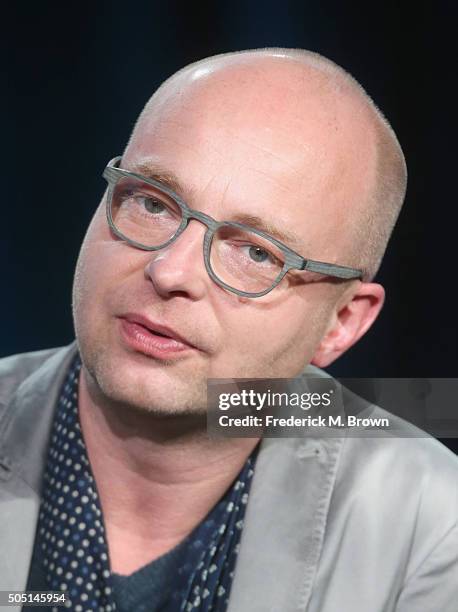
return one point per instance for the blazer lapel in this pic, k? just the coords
(284, 524)
(25, 429)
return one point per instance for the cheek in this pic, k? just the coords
(275, 343)
(86, 288)
(99, 263)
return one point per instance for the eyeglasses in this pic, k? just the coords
(244, 260)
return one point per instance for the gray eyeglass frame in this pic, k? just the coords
(293, 261)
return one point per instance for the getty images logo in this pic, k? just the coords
(269, 399)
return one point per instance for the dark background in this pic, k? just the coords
(77, 77)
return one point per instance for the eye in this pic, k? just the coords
(153, 206)
(257, 254)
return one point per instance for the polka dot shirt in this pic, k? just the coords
(71, 552)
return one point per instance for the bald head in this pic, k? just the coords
(283, 141)
(313, 128)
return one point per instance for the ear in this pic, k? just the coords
(353, 316)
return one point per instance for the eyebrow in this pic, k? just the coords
(263, 225)
(169, 179)
(152, 171)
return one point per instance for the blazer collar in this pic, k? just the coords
(26, 423)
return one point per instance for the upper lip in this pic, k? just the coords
(153, 326)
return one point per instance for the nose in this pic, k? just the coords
(179, 268)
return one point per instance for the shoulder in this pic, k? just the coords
(402, 485)
(405, 468)
(411, 465)
(405, 456)
(16, 368)
(404, 489)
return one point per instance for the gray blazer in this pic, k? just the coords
(332, 524)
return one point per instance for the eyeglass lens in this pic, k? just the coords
(242, 259)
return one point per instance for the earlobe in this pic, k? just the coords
(350, 322)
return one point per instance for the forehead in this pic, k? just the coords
(256, 142)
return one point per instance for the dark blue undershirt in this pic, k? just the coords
(148, 589)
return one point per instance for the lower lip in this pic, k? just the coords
(145, 341)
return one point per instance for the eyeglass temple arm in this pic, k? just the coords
(331, 269)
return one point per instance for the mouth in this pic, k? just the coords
(152, 338)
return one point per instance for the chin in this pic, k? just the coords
(146, 385)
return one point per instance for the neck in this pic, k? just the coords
(157, 477)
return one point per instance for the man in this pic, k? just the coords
(111, 489)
